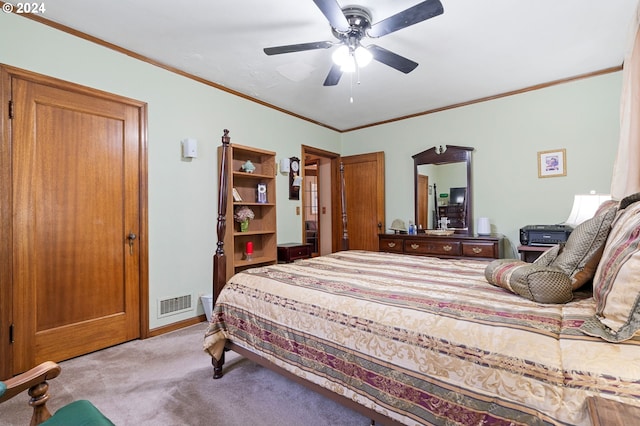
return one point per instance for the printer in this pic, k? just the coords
(544, 235)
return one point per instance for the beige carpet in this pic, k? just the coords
(166, 380)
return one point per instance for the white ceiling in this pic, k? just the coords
(476, 49)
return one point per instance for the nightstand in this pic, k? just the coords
(531, 253)
(288, 252)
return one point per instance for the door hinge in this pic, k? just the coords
(10, 110)
(11, 334)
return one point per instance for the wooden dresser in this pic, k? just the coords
(450, 246)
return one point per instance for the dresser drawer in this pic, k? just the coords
(433, 247)
(479, 249)
(393, 245)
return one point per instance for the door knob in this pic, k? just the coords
(131, 237)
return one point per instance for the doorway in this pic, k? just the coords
(321, 217)
(74, 278)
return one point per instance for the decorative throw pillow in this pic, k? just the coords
(616, 285)
(581, 253)
(541, 284)
(547, 258)
(629, 199)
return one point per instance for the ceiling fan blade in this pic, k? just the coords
(297, 47)
(333, 12)
(413, 15)
(392, 59)
(334, 76)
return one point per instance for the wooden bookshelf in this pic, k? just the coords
(262, 229)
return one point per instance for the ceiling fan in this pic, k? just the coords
(350, 25)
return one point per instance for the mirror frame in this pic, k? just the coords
(446, 155)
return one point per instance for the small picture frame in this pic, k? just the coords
(236, 195)
(552, 163)
(262, 193)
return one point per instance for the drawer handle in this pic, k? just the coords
(477, 250)
(415, 246)
(447, 248)
(391, 244)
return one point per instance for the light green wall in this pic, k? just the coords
(581, 116)
(182, 194)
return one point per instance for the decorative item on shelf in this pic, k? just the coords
(236, 195)
(248, 251)
(248, 167)
(243, 215)
(262, 193)
(398, 226)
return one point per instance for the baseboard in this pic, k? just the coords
(176, 326)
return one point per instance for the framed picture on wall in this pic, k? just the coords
(552, 163)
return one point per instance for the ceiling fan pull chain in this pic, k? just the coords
(351, 87)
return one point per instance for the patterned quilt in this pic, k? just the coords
(425, 340)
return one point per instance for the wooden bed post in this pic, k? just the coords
(219, 259)
(345, 234)
(435, 208)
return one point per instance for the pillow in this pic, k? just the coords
(606, 205)
(616, 285)
(541, 284)
(581, 253)
(547, 258)
(628, 200)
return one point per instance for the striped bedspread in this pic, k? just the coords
(424, 340)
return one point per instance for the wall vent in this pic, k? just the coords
(175, 305)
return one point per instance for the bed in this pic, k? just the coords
(420, 340)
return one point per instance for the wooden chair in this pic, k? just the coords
(80, 412)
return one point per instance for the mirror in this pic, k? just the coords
(442, 188)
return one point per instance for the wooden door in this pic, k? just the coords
(364, 183)
(76, 222)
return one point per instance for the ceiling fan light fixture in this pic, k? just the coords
(341, 56)
(363, 57)
(347, 59)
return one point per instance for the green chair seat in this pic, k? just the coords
(78, 413)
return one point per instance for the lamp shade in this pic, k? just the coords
(584, 207)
